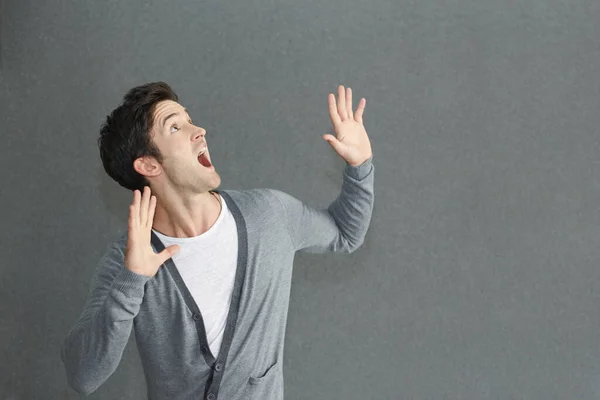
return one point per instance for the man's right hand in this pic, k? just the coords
(139, 254)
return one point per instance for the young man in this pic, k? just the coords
(210, 323)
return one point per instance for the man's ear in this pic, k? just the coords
(147, 166)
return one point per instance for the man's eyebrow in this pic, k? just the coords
(172, 115)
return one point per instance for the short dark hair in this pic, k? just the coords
(125, 136)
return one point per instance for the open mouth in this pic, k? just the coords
(204, 160)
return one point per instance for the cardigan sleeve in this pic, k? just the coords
(343, 225)
(94, 346)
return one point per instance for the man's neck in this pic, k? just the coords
(183, 217)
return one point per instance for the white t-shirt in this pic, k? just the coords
(207, 264)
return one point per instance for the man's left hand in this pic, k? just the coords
(352, 142)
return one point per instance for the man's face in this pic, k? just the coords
(180, 142)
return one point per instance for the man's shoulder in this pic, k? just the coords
(251, 196)
(255, 205)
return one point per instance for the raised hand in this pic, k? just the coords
(139, 254)
(352, 142)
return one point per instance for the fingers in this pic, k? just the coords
(349, 102)
(151, 212)
(144, 206)
(343, 109)
(360, 110)
(141, 210)
(134, 213)
(333, 112)
(342, 103)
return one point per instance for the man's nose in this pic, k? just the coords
(199, 134)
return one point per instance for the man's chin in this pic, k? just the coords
(214, 182)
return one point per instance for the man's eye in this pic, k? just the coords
(174, 126)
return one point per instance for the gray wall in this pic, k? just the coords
(478, 278)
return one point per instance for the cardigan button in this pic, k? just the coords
(210, 396)
(218, 367)
(196, 317)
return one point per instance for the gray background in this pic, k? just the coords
(478, 277)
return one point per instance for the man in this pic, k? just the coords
(210, 323)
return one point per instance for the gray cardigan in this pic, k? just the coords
(169, 329)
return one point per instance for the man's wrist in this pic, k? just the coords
(358, 172)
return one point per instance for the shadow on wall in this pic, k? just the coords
(116, 198)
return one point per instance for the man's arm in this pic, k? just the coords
(93, 348)
(341, 227)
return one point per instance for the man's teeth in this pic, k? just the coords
(202, 151)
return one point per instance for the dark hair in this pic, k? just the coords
(125, 136)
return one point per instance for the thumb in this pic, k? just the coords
(332, 140)
(169, 252)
